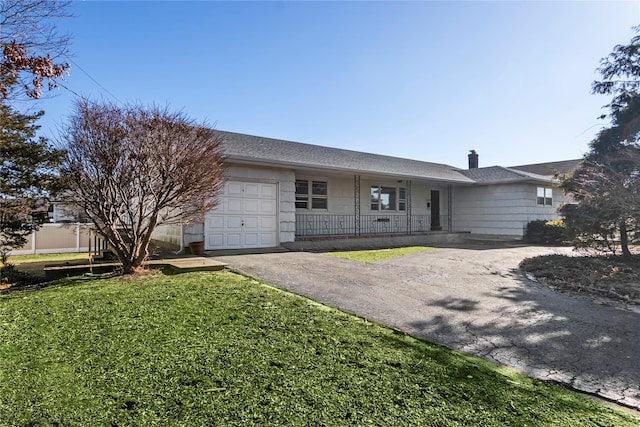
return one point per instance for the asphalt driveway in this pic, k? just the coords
(475, 300)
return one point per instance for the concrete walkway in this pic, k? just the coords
(475, 300)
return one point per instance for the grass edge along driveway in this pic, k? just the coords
(223, 349)
(374, 255)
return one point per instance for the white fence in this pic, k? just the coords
(57, 238)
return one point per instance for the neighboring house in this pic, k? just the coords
(557, 170)
(551, 169)
(59, 213)
(278, 192)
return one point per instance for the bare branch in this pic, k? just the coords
(131, 169)
(32, 50)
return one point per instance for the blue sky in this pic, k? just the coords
(424, 80)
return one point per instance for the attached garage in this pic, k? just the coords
(246, 217)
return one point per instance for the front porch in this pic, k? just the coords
(332, 225)
(381, 241)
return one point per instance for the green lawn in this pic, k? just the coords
(33, 265)
(26, 259)
(203, 349)
(378, 254)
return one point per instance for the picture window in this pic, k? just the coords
(388, 198)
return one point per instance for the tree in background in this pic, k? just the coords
(26, 177)
(131, 169)
(31, 47)
(30, 57)
(607, 191)
(607, 185)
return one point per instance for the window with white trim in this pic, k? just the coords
(388, 198)
(544, 196)
(311, 194)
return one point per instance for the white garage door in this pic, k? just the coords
(246, 217)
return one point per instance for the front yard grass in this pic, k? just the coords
(33, 265)
(378, 254)
(27, 259)
(220, 349)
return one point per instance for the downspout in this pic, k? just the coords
(181, 250)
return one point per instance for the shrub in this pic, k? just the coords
(10, 276)
(546, 232)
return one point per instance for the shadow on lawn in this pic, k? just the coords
(547, 335)
(31, 283)
(510, 398)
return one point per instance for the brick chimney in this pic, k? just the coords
(473, 159)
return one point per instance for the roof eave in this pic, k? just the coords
(295, 165)
(519, 181)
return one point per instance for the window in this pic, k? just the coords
(545, 196)
(402, 200)
(311, 194)
(302, 194)
(388, 198)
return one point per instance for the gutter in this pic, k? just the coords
(292, 165)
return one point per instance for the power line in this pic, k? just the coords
(65, 55)
(93, 80)
(70, 90)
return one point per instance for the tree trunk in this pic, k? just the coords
(624, 240)
(128, 268)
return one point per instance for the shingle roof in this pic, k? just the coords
(275, 151)
(500, 174)
(241, 147)
(550, 168)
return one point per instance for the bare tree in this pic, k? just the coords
(133, 168)
(32, 50)
(607, 191)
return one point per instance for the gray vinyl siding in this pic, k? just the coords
(502, 209)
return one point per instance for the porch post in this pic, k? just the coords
(449, 213)
(408, 205)
(356, 204)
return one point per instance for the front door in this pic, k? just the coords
(435, 210)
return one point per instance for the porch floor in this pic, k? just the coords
(327, 243)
